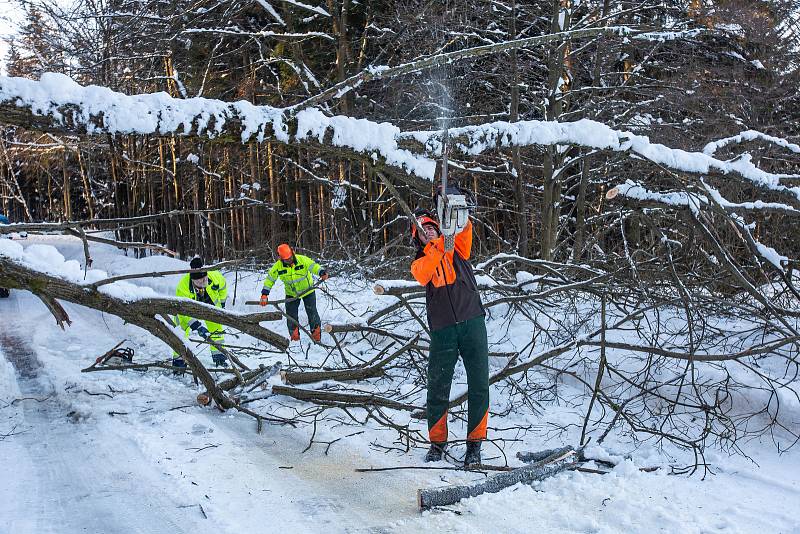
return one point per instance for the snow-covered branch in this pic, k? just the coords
(57, 103)
(474, 140)
(263, 33)
(750, 135)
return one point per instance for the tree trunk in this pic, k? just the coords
(65, 193)
(557, 86)
(521, 207)
(555, 463)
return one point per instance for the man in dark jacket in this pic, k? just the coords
(456, 321)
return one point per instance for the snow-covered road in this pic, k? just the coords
(133, 452)
(77, 469)
(73, 477)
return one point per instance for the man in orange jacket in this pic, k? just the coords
(457, 325)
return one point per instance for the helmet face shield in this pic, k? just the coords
(422, 220)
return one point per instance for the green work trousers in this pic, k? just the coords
(467, 339)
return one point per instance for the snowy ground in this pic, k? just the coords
(102, 452)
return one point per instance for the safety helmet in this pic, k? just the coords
(285, 252)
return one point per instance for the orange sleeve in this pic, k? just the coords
(464, 241)
(424, 267)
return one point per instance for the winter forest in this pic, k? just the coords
(584, 212)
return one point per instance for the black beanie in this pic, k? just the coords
(196, 263)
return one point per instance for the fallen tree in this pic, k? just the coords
(558, 461)
(147, 313)
(45, 106)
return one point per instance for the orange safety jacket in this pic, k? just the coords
(451, 290)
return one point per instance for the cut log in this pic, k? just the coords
(560, 460)
(344, 399)
(398, 291)
(343, 375)
(538, 456)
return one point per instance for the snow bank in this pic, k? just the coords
(47, 259)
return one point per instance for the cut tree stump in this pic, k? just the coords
(558, 461)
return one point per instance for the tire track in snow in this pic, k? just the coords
(70, 476)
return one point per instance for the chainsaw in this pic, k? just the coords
(451, 204)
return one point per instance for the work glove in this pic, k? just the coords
(203, 331)
(323, 275)
(264, 300)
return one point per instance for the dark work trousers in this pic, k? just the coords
(468, 339)
(293, 309)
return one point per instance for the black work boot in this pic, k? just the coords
(178, 366)
(436, 452)
(473, 456)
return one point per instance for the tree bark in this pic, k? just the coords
(516, 161)
(559, 461)
(145, 313)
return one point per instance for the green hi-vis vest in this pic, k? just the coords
(296, 278)
(216, 293)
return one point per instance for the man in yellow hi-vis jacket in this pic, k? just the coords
(295, 271)
(209, 287)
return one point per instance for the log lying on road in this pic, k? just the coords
(538, 456)
(343, 375)
(344, 399)
(556, 462)
(252, 378)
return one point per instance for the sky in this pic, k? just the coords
(10, 17)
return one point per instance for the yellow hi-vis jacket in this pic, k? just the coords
(216, 294)
(297, 278)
